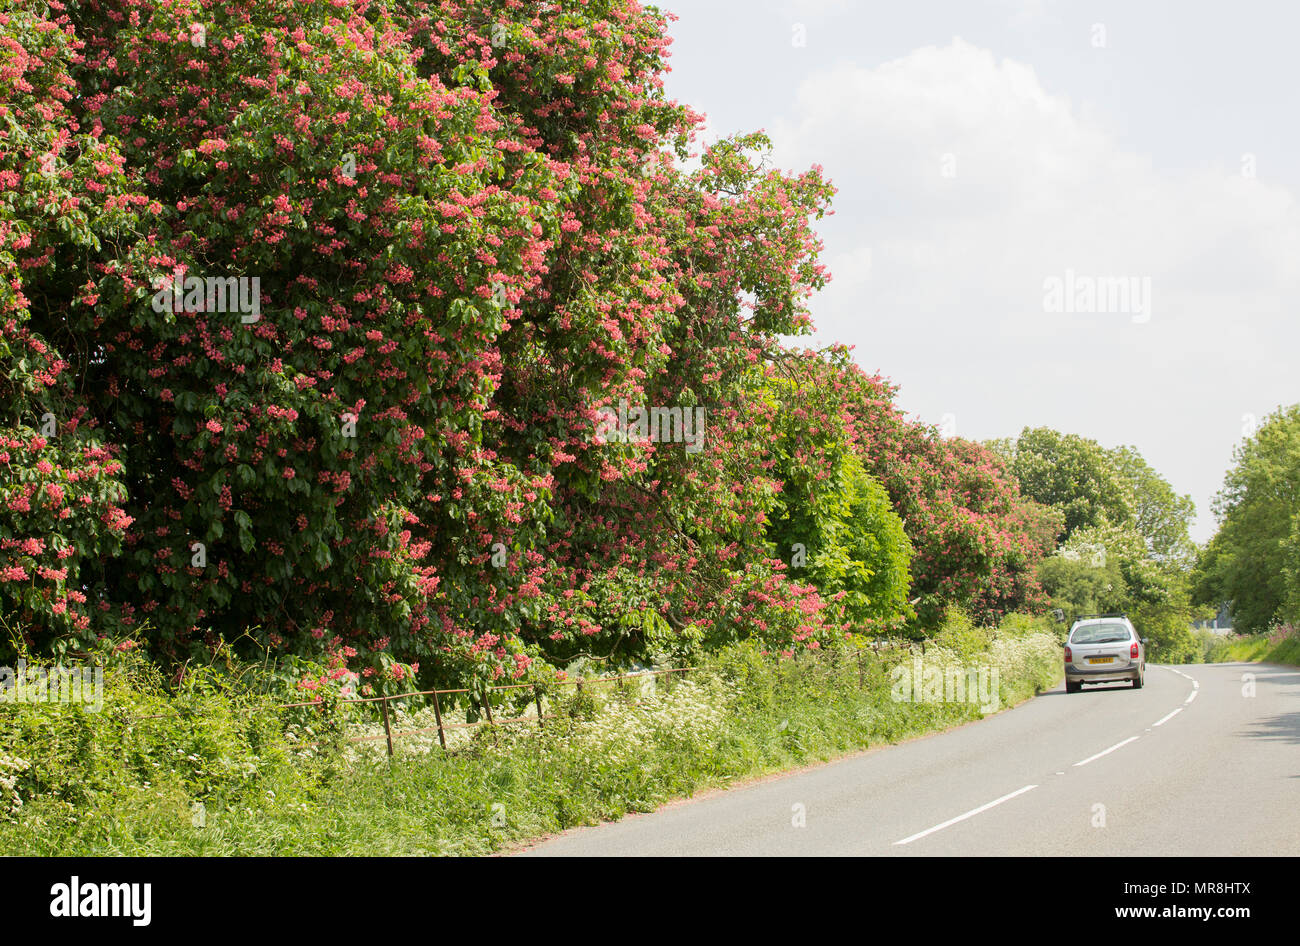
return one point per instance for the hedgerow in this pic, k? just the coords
(311, 311)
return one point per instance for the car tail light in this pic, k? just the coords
(1069, 657)
(1133, 651)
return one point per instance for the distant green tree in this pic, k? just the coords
(1004, 448)
(1111, 569)
(1073, 474)
(1254, 559)
(1125, 546)
(1160, 515)
(1291, 572)
(1104, 568)
(1167, 628)
(1078, 586)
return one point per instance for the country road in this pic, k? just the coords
(1188, 765)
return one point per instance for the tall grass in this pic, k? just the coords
(225, 773)
(1281, 645)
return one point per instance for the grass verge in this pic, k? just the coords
(222, 773)
(1279, 646)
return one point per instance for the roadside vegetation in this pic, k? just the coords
(1278, 646)
(222, 771)
(1253, 561)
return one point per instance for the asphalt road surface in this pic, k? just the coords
(1192, 764)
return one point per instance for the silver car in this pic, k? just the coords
(1103, 648)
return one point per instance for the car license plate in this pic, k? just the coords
(1100, 660)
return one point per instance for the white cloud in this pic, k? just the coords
(957, 263)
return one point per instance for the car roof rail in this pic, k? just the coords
(1088, 617)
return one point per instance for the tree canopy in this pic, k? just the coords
(1253, 561)
(1125, 544)
(311, 311)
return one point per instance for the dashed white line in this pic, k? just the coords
(1169, 717)
(970, 814)
(1103, 752)
(1092, 758)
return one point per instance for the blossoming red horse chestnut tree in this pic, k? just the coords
(472, 226)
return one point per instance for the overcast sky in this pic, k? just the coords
(983, 149)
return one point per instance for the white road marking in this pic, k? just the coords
(1106, 751)
(970, 814)
(1092, 758)
(1169, 717)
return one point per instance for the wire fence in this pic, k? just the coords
(481, 698)
(485, 703)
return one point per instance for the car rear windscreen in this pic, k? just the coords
(1099, 634)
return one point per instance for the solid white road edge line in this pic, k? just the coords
(970, 814)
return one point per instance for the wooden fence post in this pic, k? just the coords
(437, 714)
(487, 707)
(537, 697)
(388, 727)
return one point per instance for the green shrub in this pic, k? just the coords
(1169, 633)
(1281, 645)
(156, 755)
(959, 635)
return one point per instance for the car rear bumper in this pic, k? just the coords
(1101, 674)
